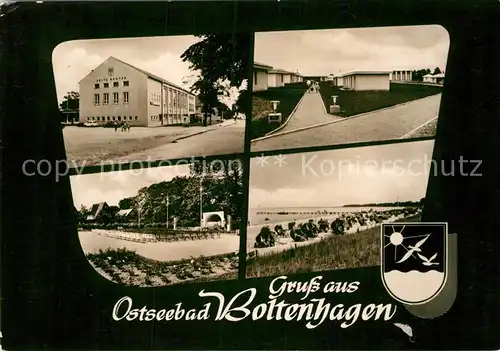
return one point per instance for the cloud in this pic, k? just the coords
(71, 64)
(161, 56)
(322, 52)
(114, 186)
(94, 195)
(367, 184)
(383, 173)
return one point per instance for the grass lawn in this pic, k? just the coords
(356, 102)
(288, 96)
(340, 252)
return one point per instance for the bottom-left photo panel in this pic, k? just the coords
(162, 226)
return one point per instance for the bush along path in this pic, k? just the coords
(124, 266)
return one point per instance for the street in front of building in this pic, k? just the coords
(93, 146)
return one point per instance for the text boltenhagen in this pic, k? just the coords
(312, 313)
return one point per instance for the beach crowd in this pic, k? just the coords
(344, 223)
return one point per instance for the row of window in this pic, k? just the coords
(177, 97)
(112, 118)
(116, 98)
(115, 84)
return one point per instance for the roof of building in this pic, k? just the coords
(439, 75)
(429, 75)
(366, 73)
(262, 66)
(124, 213)
(150, 75)
(279, 70)
(96, 209)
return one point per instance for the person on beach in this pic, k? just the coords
(309, 229)
(323, 225)
(297, 235)
(278, 229)
(265, 238)
(338, 227)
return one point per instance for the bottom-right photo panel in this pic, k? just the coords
(322, 210)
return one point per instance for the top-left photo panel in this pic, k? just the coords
(152, 98)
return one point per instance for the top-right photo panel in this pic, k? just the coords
(343, 86)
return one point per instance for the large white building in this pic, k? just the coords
(367, 80)
(116, 91)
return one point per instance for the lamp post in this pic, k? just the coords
(275, 116)
(167, 211)
(201, 203)
(275, 105)
(334, 109)
(138, 215)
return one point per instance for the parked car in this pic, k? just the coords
(91, 124)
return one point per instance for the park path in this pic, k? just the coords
(309, 112)
(92, 242)
(387, 124)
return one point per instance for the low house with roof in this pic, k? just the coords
(96, 210)
(260, 76)
(434, 78)
(367, 80)
(265, 76)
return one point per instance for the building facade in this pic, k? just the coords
(116, 91)
(401, 75)
(367, 81)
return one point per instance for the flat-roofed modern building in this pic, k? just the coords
(402, 75)
(367, 80)
(116, 91)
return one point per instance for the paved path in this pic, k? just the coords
(309, 112)
(224, 140)
(387, 124)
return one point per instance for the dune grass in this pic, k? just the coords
(339, 252)
(355, 102)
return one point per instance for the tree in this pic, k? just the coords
(220, 59)
(71, 101)
(224, 181)
(126, 203)
(108, 215)
(437, 70)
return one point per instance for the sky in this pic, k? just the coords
(372, 174)
(73, 60)
(111, 187)
(323, 52)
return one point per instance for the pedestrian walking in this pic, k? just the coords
(115, 125)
